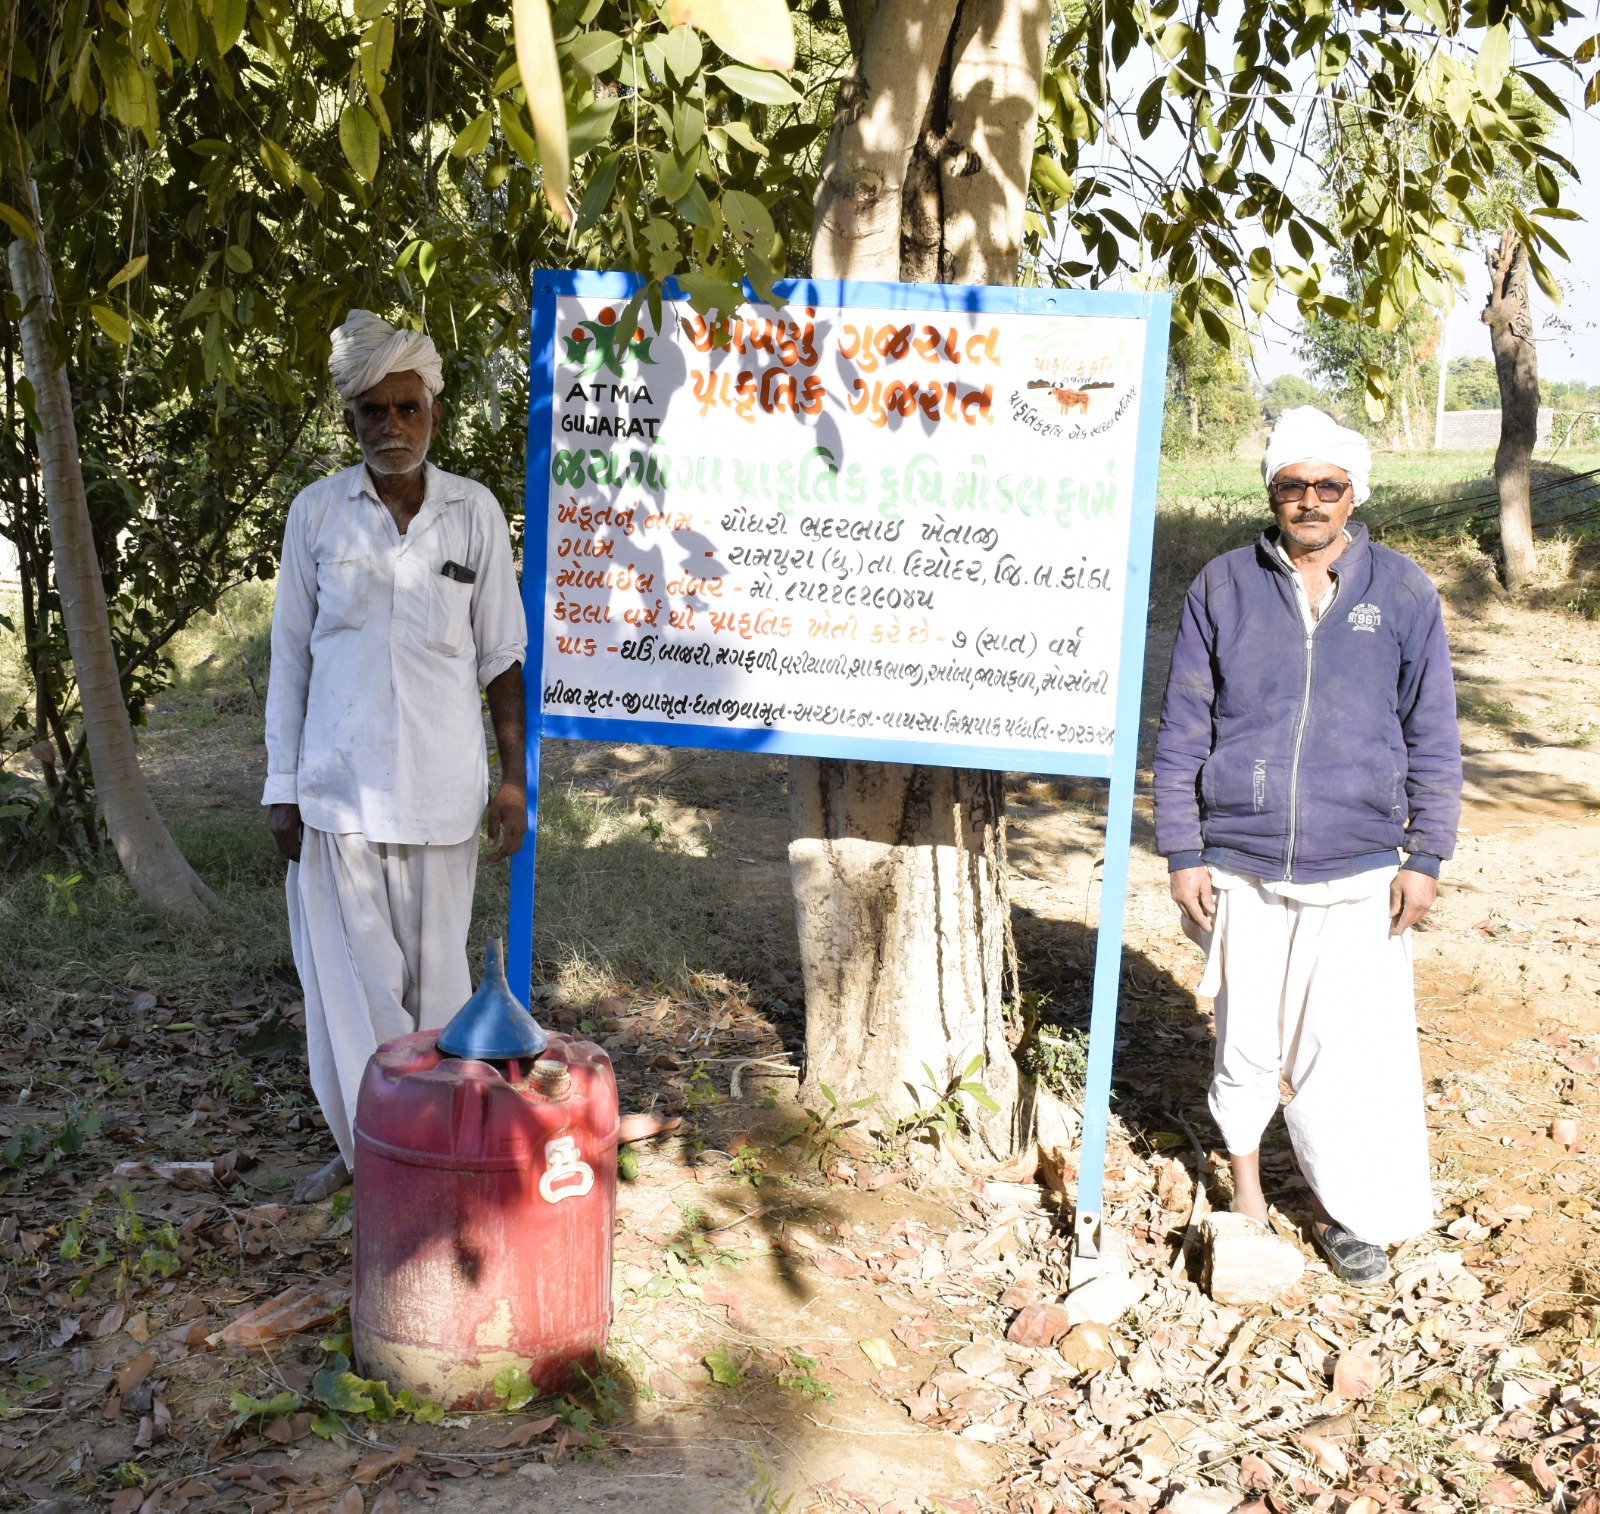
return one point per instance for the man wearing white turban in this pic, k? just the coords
(397, 603)
(1308, 737)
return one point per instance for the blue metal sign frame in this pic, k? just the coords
(1155, 310)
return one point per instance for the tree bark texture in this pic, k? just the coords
(1509, 317)
(152, 861)
(898, 871)
(876, 126)
(902, 908)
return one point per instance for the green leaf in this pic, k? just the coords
(247, 1408)
(695, 208)
(1148, 111)
(330, 1427)
(517, 136)
(547, 104)
(513, 1387)
(724, 1369)
(674, 175)
(183, 28)
(596, 196)
(593, 52)
(112, 324)
(1545, 279)
(277, 162)
(748, 219)
(753, 84)
(591, 126)
(368, 10)
(19, 223)
(739, 132)
(1494, 60)
(688, 126)
(343, 1392)
(129, 270)
(227, 22)
(1545, 181)
(682, 53)
(423, 1412)
(238, 259)
(358, 136)
(473, 137)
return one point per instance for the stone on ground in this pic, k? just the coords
(1246, 1263)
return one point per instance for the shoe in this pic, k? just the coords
(322, 1184)
(1353, 1259)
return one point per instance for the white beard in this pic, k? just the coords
(396, 462)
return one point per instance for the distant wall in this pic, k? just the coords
(1479, 430)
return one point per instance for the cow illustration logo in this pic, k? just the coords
(1366, 617)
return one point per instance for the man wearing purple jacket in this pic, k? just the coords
(1308, 738)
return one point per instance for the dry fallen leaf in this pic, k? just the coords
(878, 1352)
(1356, 1372)
(292, 1310)
(136, 1371)
(370, 1468)
(350, 1502)
(523, 1435)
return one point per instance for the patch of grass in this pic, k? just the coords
(114, 941)
(620, 896)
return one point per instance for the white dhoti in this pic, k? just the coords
(380, 941)
(1311, 988)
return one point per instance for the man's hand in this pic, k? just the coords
(284, 820)
(1411, 896)
(1191, 892)
(507, 818)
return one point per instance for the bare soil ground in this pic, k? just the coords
(810, 1324)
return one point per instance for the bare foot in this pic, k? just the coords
(1248, 1199)
(640, 1127)
(326, 1181)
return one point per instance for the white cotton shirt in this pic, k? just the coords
(374, 716)
(1302, 598)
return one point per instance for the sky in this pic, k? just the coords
(1569, 339)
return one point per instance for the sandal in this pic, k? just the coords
(1353, 1259)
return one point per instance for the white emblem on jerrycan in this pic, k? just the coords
(566, 1174)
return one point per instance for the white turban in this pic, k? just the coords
(367, 349)
(1307, 435)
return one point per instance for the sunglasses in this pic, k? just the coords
(1292, 490)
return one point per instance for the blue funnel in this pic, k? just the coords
(492, 1025)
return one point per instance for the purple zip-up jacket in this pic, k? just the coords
(1288, 756)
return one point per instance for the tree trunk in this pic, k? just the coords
(153, 863)
(898, 871)
(1509, 317)
(900, 898)
(856, 223)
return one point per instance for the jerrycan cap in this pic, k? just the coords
(492, 1025)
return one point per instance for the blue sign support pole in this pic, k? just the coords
(535, 552)
(1119, 825)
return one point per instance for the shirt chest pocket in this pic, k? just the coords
(344, 592)
(449, 615)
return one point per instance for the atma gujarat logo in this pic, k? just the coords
(1365, 617)
(600, 343)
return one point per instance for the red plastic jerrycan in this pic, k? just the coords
(485, 1197)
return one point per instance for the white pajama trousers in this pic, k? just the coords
(1321, 995)
(379, 932)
